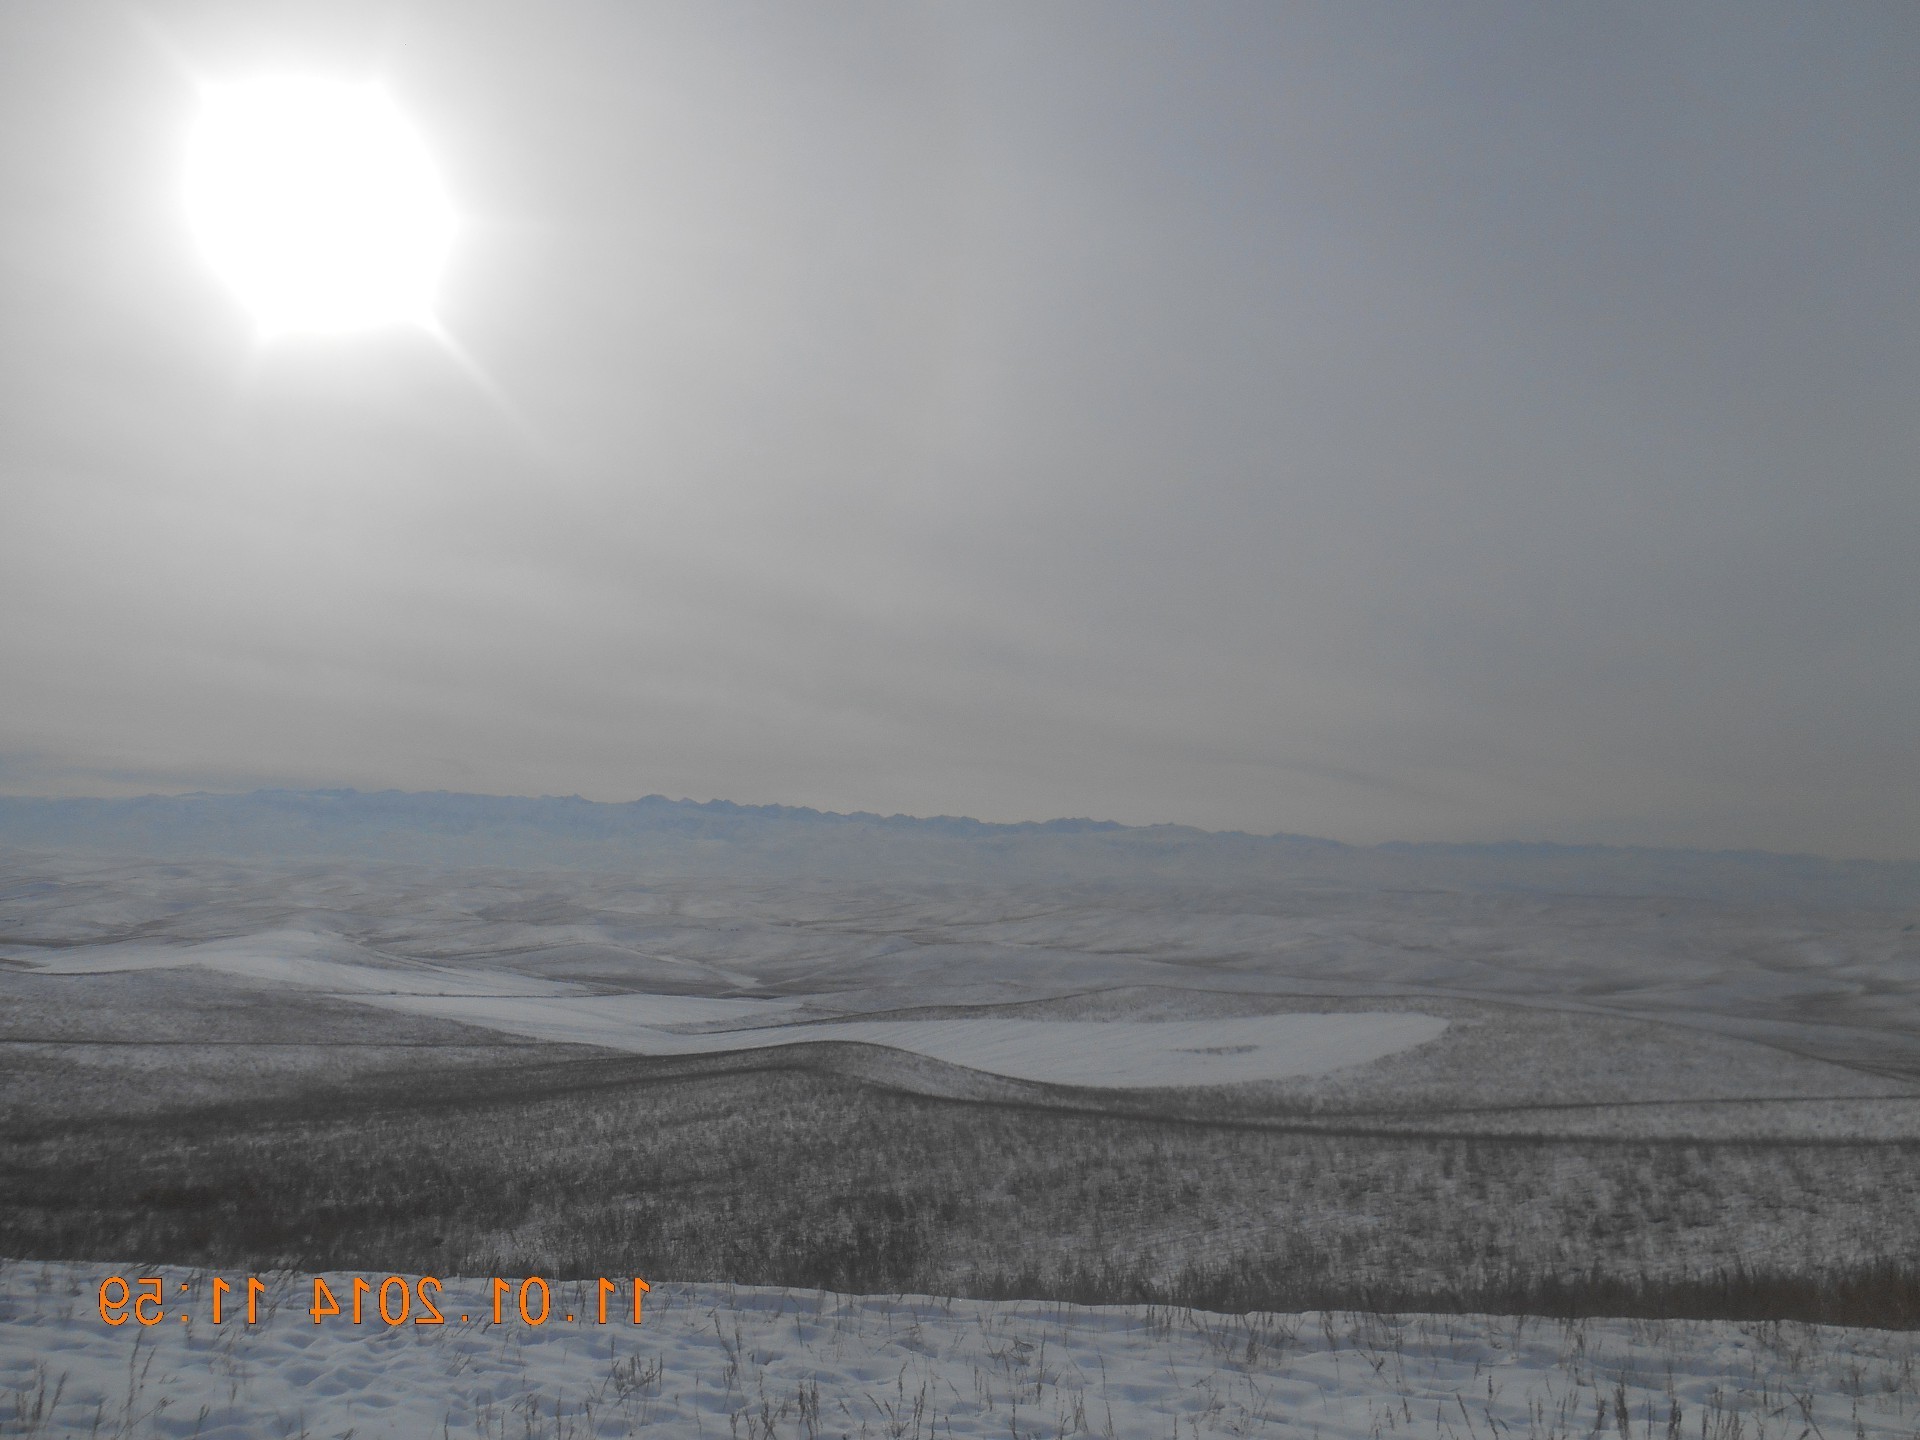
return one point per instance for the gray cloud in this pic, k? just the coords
(1467, 423)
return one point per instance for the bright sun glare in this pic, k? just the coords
(318, 204)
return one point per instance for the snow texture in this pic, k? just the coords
(709, 1360)
(1118, 1053)
(1115, 1054)
(302, 959)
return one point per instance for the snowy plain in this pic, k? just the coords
(299, 958)
(718, 1360)
(1543, 1011)
(1118, 1053)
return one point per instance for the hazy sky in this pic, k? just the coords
(1448, 421)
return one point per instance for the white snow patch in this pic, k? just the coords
(302, 959)
(597, 1019)
(1116, 1054)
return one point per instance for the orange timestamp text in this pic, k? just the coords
(396, 1300)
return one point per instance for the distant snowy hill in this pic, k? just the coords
(658, 835)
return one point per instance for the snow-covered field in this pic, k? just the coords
(1834, 983)
(731, 1361)
(301, 958)
(1116, 1053)
(336, 1063)
(1708, 1020)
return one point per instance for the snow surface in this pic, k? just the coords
(1118, 1053)
(302, 959)
(1813, 979)
(709, 1358)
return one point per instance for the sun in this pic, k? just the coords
(317, 204)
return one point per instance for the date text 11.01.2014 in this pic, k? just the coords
(396, 1300)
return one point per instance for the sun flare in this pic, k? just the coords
(317, 204)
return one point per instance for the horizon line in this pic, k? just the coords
(1053, 822)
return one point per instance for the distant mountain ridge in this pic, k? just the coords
(659, 835)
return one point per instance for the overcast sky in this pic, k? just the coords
(1425, 422)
